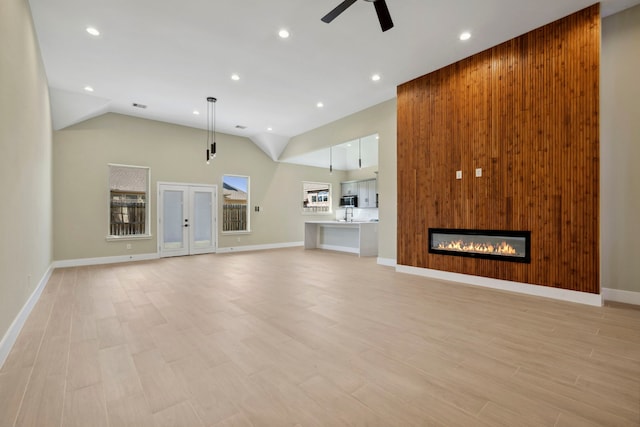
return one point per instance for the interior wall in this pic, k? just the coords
(380, 119)
(361, 174)
(526, 113)
(174, 154)
(25, 162)
(620, 151)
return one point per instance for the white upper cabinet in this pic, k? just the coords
(367, 193)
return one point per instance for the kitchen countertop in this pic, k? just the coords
(341, 222)
(359, 237)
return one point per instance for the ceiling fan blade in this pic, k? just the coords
(338, 10)
(383, 15)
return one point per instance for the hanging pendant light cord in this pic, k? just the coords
(330, 160)
(211, 128)
(213, 146)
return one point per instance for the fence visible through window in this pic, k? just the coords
(128, 213)
(234, 217)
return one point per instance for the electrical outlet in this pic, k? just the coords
(478, 172)
(238, 239)
(458, 174)
(128, 245)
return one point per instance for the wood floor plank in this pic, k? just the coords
(331, 398)
(119, 374)
(84, 364)
(43, 401)
(110, 332)
(180, 415)
(85, 406)
(312, 338)
(11, 397)
(160, 385)
(236, 420)
(130, 411)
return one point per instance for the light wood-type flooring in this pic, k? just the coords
(312, 338)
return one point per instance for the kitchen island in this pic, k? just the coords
(355, 237)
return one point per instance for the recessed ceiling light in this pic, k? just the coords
(465, 36)
(196, 112)
(319, 105)
(269, 129)
(375, 77)
(235, 77)
(93, 31)
(88, 88)
(283, 33)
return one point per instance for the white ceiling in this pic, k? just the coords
(171, 54)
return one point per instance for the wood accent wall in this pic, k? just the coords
(527, 113)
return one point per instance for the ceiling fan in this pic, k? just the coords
(381, 9)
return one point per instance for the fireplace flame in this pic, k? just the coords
(502, 248)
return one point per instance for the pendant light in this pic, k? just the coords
(359, 153)
(330, 160)
(211, 128)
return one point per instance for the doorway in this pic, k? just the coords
(186, 219)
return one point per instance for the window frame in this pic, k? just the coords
(329, 198)
(147, 226)
(247, 230)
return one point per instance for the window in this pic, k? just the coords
(316, 197)
(235, 204)
(128, 201)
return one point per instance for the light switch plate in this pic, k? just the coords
(458, 174)
(478, 172)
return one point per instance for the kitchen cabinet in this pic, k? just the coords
(367, 194)
(366, 191)
(349, 188)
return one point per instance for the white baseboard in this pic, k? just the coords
(259, 247)
(506, 285)
(9, 339)
(388, 262)
(618, 295)
(103, 260)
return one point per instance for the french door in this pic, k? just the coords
(186, 219)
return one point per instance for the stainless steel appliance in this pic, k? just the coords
(349, 201)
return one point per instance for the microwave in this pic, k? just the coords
(349, 201)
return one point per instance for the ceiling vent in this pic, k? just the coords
(135, 104)
(241, 127)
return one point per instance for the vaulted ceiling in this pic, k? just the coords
(170, 55)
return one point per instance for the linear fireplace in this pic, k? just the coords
(488, 244)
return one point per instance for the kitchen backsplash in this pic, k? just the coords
(368, 214)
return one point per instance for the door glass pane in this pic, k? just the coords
(202, 219)
(172, 227)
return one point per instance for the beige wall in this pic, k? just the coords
(25, 162)
(380, 119)
(620, 151)
(174, 154)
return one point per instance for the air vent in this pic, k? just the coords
(240, 127)
(135, 104)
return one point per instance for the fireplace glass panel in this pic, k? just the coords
(489, 244)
